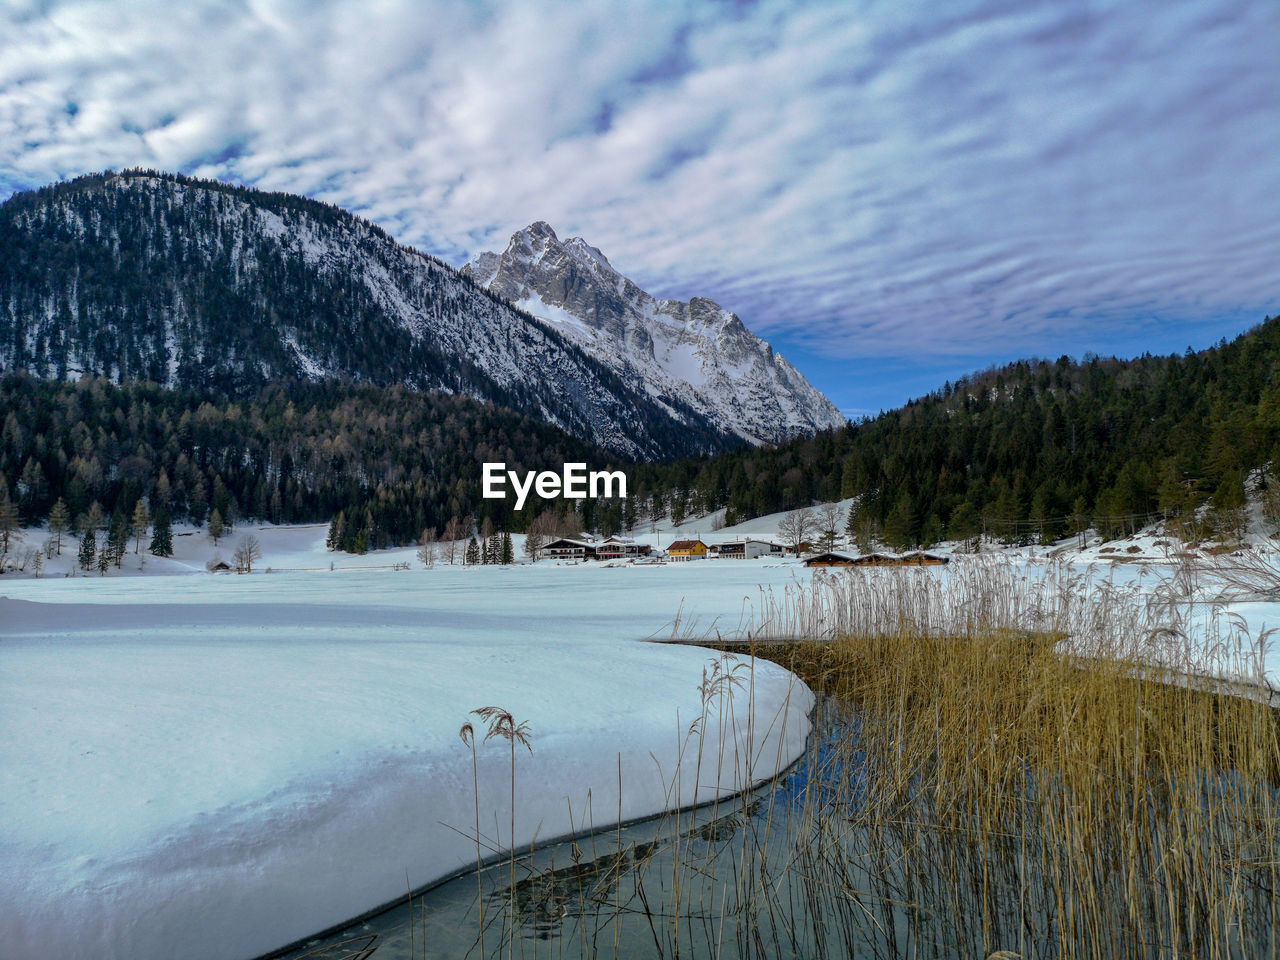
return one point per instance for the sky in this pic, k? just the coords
(893, 193)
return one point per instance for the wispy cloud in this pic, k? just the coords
(871, 179)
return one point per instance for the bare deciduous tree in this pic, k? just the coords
(454, 531)
(796, 527)
(543, 529)
(828, 524)
(248, 550)
(427, 547)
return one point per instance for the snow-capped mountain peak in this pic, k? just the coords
(694, 352)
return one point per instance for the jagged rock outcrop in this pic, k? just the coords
(693, 354)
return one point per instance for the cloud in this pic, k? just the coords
(866, 180)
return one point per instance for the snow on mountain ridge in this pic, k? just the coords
(198, 285)
(696, 351)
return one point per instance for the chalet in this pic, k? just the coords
(687, 550)
(567, 548)
(748, 549)
(615, 546)
(584, 548)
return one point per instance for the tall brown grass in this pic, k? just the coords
(1030, 763)
(1005, 761)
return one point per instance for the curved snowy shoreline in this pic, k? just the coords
(261, 760)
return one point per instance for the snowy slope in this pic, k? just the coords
(214, 766)
(196, 284)
(696, 352)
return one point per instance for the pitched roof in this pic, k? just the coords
(684, 544)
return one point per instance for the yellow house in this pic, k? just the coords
(687, 550)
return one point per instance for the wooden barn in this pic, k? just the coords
(916, 558)
(831, 559)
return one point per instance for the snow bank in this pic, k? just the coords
(216, 766)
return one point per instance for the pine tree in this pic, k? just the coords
(162, 492)
(59, 521)
(118, 539)
(139, 524)
(900, 523)
(88, 550)
(1080, 519)
(216, 528)
(508, 553)
(337, 532)
(161, 535)
(198, 504)
(92, 519)
(473, 553)
(8, 517)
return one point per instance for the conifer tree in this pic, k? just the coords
(8, 517)
(59, 521)
(161, 535)
(337, 532)
(216, 528)
(139, 524)
(473, 552)
(198, 503)
(508, 553)
(88, 554)
(92, 519)
(118, 539)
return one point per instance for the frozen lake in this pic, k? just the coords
(233, 763)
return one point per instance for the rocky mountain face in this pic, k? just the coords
(695, 355)
(203, 286)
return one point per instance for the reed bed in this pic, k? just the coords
(1031, 762)
(1006, 762)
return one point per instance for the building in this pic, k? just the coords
(831, 559)
(917, 558)
(748, 549)
(567, 548)
(611, 548)
(687, 550)
(615, 546)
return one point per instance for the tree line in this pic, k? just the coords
(1027, 452)
(387, 462)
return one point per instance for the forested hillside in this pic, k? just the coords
(394, 461)
(1029, 451)
(221, 289)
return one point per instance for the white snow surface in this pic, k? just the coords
(215, 766)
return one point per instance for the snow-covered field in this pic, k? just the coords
(214, 766)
